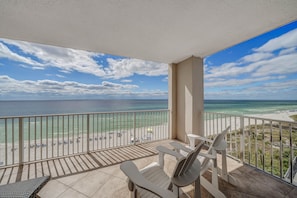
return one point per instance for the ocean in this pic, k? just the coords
(39, 126)
(45, 107)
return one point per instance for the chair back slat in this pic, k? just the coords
(218, 139)
(178, 167)
(185, 164)
(216, 142)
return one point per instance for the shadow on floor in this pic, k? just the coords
(75, 164)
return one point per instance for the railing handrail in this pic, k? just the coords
(252, 117)
(38, 137)
(270, 145)
(84, 113)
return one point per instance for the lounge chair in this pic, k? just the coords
(152, 181)
(23, 189)
(208, 160)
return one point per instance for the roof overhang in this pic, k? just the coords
(165, 31)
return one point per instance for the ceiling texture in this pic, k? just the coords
(167, 31)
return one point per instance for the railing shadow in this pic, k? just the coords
(76, 164)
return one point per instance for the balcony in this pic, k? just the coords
(82, 152)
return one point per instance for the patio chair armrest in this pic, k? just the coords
(193, 137)
(198, 137)
(207, 155)
(163, 150)
(132, 172)
(179, 147)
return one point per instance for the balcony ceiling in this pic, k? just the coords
(166, 31)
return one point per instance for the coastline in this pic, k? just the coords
(41, 149)
(283, 115)
(218, 124)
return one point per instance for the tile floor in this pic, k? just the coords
(91, 176)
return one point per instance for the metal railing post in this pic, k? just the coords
(88, 133)
(169, 131)
(281, 149)
(134, 128)
(242, 138)
(291, 158)
(21, 142)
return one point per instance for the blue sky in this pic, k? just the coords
(264, 67)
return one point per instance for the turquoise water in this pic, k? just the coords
(19, 108)
(55, 126)
(41, 107)
(58, 126)
(245, 107)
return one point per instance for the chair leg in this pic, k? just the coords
(211, 189)
(214, 174)
(197, 191)
(174, 189)
(224, 172)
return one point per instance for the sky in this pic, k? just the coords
(262, 68)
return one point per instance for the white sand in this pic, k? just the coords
(76, 144)
(283, 116)
(216, 126)
(112, 140)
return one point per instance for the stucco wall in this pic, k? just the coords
(187, 96)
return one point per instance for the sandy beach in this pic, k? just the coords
(216, 124)
(41, 149)
(284, 116)
(74, 144)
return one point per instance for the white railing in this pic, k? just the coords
(39, 137)
(269, 145)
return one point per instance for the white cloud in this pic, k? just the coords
(281, 85)
(68, 60)
(264, 61)
(10, 86)
(230, 70)
(165, 79)
(280, 65)
(272, 90)
(256, 57)
(5, 52)
(259, 75)
(122, 68)
(287, 40)
(288, 51)
(60, 76)
(239, 82)
(126, 80)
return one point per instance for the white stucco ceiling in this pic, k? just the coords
(159, 30)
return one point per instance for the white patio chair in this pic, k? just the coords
(25, 189)
(208, 160)
(152, 181)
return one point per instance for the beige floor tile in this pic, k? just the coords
(71, 193)
(72, 179)
(79, 181)
(53, 189)
(113, 171)
(231, 164)
(113, 187)
(91, 182)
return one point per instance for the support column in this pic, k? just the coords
(172, 105)
(186, 98)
